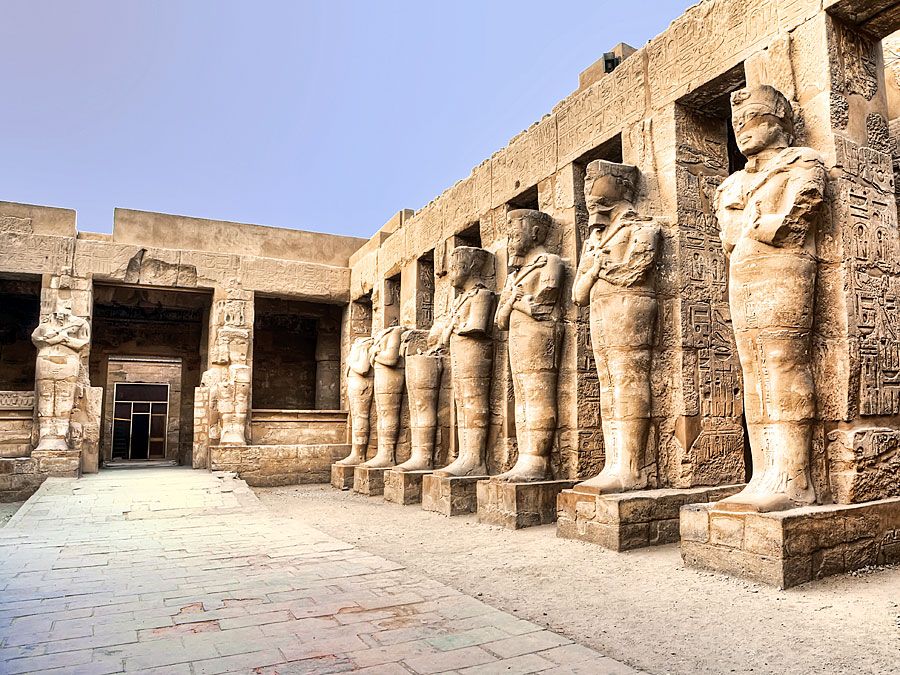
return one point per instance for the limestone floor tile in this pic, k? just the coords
(173, 570)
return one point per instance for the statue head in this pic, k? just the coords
(607, 184)
(528, 228)
(62, 309)
(762, 118)
(232, 345)
(467, 262)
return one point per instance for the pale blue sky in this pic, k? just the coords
(325, 115)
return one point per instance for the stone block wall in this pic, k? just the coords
(270, 465)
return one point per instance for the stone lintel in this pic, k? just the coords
(789, 548)
(404, 487)
(450, 495)
(629, 520)
(369, 480)
(518, 505)
(342, 476)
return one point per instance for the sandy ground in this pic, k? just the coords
(643, 608)
(8, 510)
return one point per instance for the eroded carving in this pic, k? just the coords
(615, 278)
(466, 334)
(769, 214)
(423, 385)
(387, 363)
(528, 309)
(359, 397)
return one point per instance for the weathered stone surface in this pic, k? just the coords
(268, 465)
(518, 505)
(403, 487)
(342, 476)
(792, 547)
(369, 480)
(629, 520)
(450, 495)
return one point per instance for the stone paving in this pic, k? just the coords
(180, 571)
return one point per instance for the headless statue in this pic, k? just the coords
(616, 281)
(423, 387)
(528, 308)
(768, 217)
(359, 397)
(59, 338)
(466, 334)
(388, 365)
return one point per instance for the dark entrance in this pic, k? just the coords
(141, 420)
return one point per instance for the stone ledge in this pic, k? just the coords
(450, 495)
(271, 465)
(404, 487)
(628, 520)
(789, 548)
(369, 480)
(518, 505)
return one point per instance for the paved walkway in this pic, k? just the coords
(180, 571)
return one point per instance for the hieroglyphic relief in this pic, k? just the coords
(868, 207)
(854, 62)
(713, 443)
(425, 292)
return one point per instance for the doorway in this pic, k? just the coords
(141, 418)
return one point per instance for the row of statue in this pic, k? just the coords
(768, 214)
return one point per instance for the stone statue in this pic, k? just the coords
(616, 280)
(423, 387)
(359, 396)
(768, 216)
(229, 386)
(59, 338)
(528, 309)
(388, 364)
(466, 334)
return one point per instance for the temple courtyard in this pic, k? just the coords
(177, 571)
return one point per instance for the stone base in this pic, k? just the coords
(342, 476)
(518, 505)
(404, 487)
(450, 495)
(368, 480)
(629, 520)
(788, 548)
(271, 465)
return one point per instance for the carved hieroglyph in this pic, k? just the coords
(359, 397)
(60, 337)
(423, 386)
(615, 278)
(768, 215)
(389, 376)
(466, 334)
(529, 310)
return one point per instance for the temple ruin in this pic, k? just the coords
(666, 311)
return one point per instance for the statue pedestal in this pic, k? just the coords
(342, 476)
(788, 548)
(369, 480)
(450, 495)
(628, 520)
(518, 505)
(404, 487)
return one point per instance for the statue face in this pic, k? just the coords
(601, 195)
(459, 271)
(755, 132)
(520, 239)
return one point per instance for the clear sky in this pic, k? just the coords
(325, 115)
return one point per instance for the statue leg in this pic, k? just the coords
(359, 396)
(536, 408)
(423, 385)
(388, 394)
(471, 362)
(55, 387)
(626, 422)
